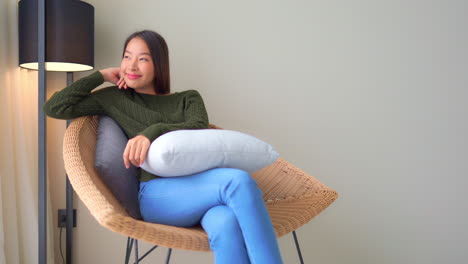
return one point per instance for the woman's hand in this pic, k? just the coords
(115, 76)
(136, 150)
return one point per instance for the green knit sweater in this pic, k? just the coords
(136, 113)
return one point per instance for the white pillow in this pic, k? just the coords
(185, 152)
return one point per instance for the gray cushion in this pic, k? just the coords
(123, 182)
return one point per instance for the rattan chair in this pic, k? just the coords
(292, 197)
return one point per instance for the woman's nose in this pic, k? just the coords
(134, 64)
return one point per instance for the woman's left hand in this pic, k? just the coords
(136, 150)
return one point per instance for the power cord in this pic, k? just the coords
(60, 245)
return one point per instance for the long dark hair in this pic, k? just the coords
(160, 56)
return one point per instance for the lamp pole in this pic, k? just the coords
(69, 198)
(41, 51)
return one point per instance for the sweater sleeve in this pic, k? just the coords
(195, 115)
(76, 99)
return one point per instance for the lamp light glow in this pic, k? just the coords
(58, 66)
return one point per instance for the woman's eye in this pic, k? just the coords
(144, 59)
(126, 57)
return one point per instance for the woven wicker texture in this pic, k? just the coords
(292, 196)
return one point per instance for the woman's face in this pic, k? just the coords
(137, 67)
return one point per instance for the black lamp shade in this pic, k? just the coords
(70, 35)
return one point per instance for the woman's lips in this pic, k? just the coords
(133, 76)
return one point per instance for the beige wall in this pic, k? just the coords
(368, 96)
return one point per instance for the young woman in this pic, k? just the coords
(226, 201)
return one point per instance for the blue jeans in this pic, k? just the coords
(227, 203)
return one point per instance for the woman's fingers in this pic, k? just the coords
(143, 145)
(136, 154)
(121, 83)
(129, 154)
(122, 80)
(132, 154)
(126, 155)
(143, 152)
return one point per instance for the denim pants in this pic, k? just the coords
(226, 202)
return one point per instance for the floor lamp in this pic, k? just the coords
(54, 35)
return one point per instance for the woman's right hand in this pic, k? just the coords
(114, 76)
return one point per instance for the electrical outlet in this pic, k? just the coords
(62, 218)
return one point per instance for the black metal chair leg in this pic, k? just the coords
(297, 247)
(137, 257)
(136, 251)
(168, 255)
(129, 249)
(147, 253)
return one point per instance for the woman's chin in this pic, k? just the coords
(133, 85)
